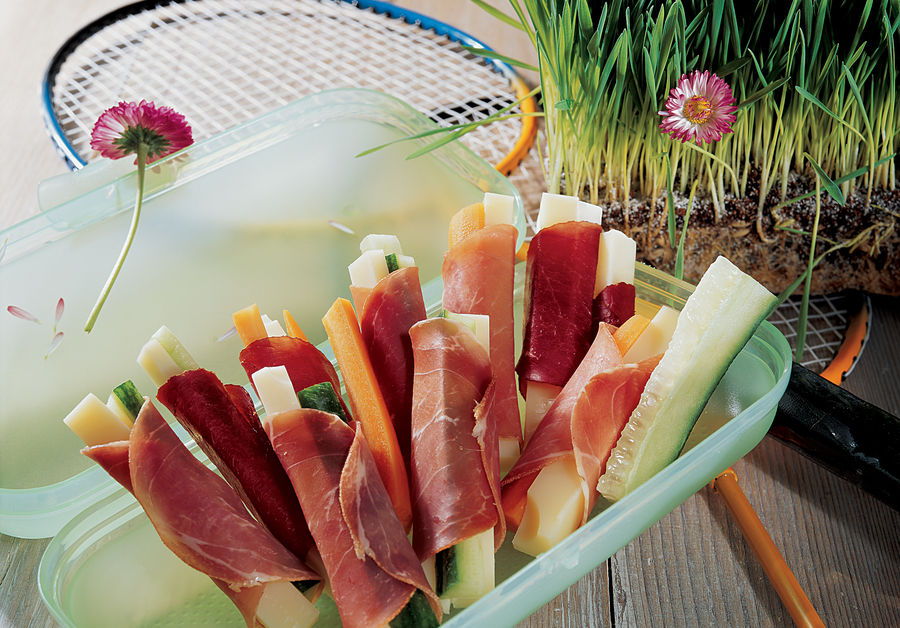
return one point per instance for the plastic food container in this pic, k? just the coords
(109, 568)
(262, 213)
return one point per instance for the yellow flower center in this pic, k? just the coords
(697, 109)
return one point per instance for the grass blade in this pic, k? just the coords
(830, 186)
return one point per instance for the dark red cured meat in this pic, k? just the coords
(559, 294)
(202, 520)
(614, 304)
(393, 306)
(113, 457)
(552, 440)
(453, 495)
(236, 443)
(371, 566)
(479, 278)
(600, 414)
(305, 364)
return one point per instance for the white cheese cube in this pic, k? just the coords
(655, 338)
(509, 453)
(94, 423)
(387, 243)
(615, 260)
(498, 209)
(538, 399)
(556, 208)
(283, 606)
(275, 390)
(368, 269)
(479, 324)
(273, 327)
(157, 362)
(553, 508)
(589, 213)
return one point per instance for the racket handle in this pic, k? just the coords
(848, 436)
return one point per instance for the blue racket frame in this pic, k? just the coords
(75, 161)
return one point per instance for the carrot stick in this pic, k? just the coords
(249, 324)
(465, 222)
(359, 296)
(367, 404)
(629, 332)
(293, 329)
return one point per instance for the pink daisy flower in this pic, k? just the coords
(150, 132)
(701, 107)
(121, 129)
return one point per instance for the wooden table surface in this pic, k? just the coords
(693, 568)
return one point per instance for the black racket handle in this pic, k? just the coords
(848, 436)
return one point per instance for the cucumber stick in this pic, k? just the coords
(715, 324)
(465, 571)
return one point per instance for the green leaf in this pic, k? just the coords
(830, 186)
(771, 87)
(500, 15)
(733, 66)
(490, 54)
(859, 99)
(818, 103)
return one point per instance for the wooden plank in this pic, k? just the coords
(585, 603)
(20, 602)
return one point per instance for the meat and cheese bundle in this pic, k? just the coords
(576, 277)
(457, 517)
(479, 278)
(373, 572)
(201, 519)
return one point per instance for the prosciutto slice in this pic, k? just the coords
(371, 566)
(393, 306)
(600, 414)
(197, 514)
(559, 293)
(455, 467)
(305, 364)
(113, 457)
(553, 439)
(231, 435)
(479, 278)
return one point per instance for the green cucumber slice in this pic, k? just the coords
(175, 349)
(392, 263)
(322, 397)
(129, 396)
(715, 324)
(416, 614)
(464, 573)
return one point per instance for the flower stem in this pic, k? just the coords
(95, 312)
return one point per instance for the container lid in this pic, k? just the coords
(269, 212)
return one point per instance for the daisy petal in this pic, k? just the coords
(22, 313)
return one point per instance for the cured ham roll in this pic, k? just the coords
(198, 515)
(389, 310)
(371, 566)
(455, 460)
(575, 437)
(223, 422)
(305, 364)
(479, 278)
(559, 295)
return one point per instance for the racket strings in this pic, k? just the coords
(827, 320)
(222, 62)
